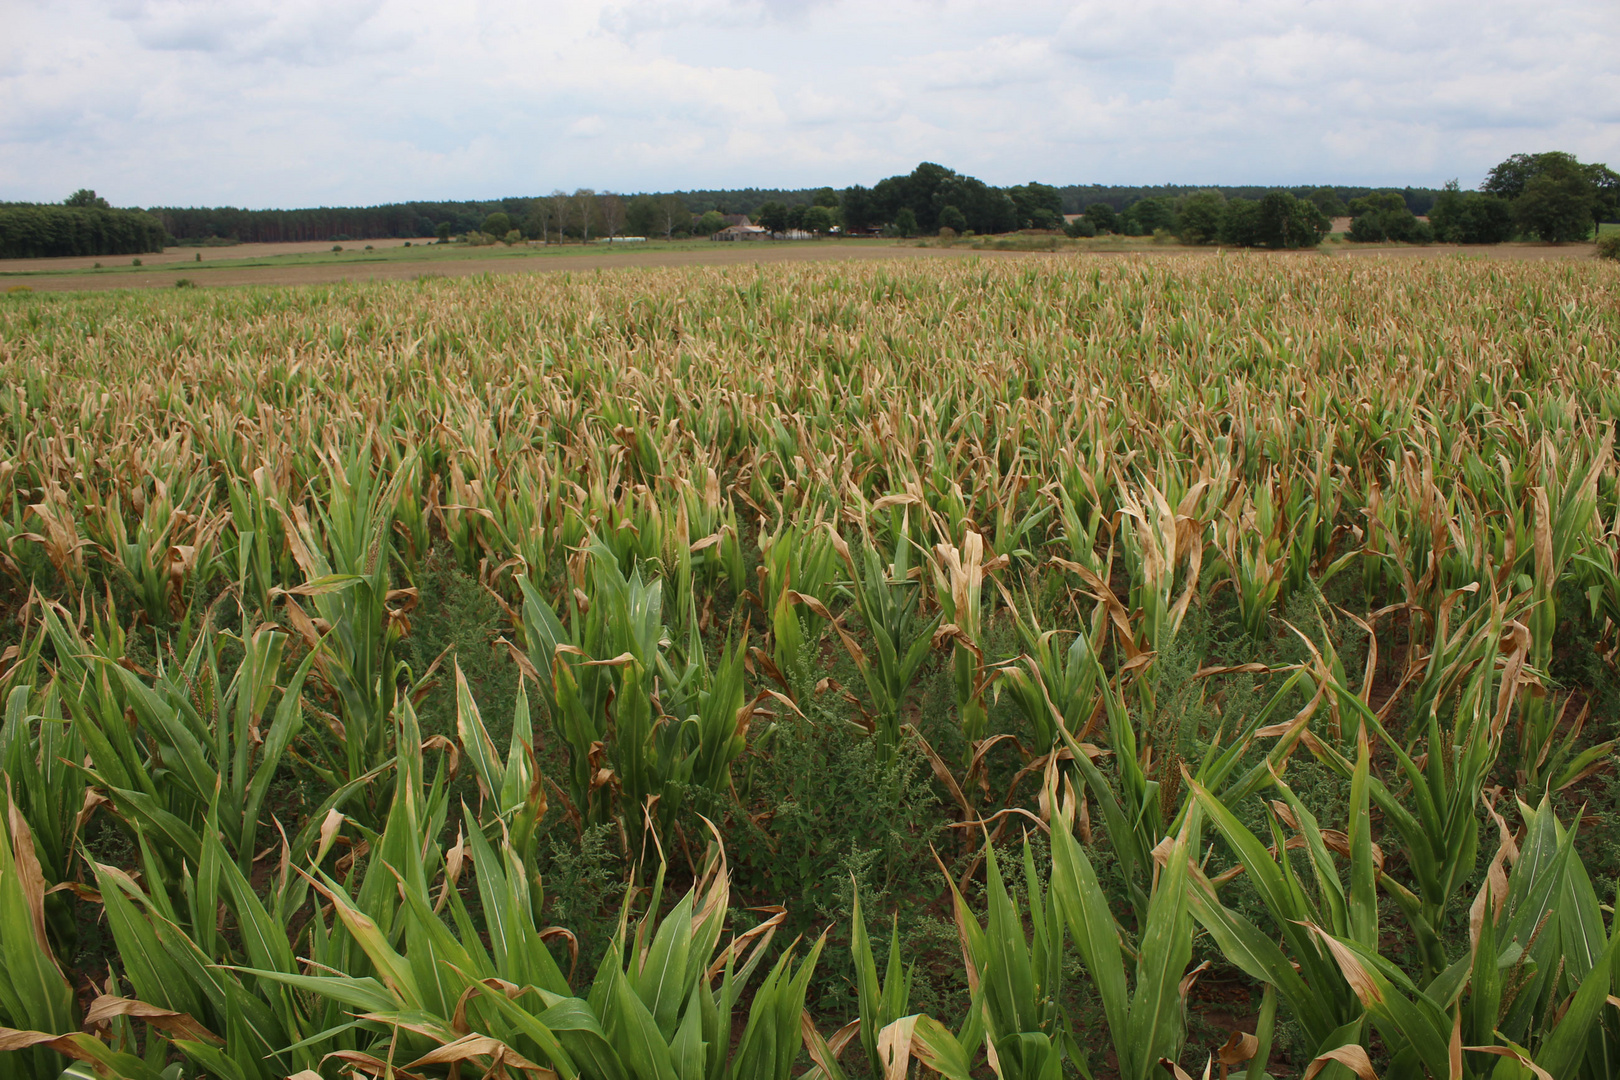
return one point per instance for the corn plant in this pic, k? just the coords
(880, 1002)
(1143, 1001)
(959, 575)
(1133, 808)
(345, 556)
(513, 791)
(35, 996)
(654, 1008)
(1164, 549)
(1019, 982)
(796, 572)
(1492, 1011)
(1304, 974)
(215, 734)
(240, 993)
(888, 597)
(1438, 828)
(1053, 686)
(37, 752)
(597, 675)
(1563, 520)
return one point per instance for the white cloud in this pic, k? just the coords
(255, 102)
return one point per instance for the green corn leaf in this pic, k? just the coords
(1090, 922)
(633, 1031)
(35, 991)
(1566, 1044)
(284, 727)
(1155, 1023)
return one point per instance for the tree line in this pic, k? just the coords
(1549, 196)
(84, 225)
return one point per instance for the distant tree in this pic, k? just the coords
(825, 197)
(1606, 187)
(1556, 208)
(1384, 215)
(1240, 223)
(541, 220)
(496, 224)
(673, 216)
(641, 216)
(443, 231)
(1507, 179)
(87, 199)
(32, 231)
(611, 209)
(1032, 198)
(952, 218)
(1103, 218)
(710, 223)
(1547, 190)
(1470, 217)
(929, 188)
(795, 218)
(1154, 214)
(512, 236)
(582, 204)
(1080, 227)
(772, 216)
(858, 207)
(1282, 221)
(1200, 217)
(818, 219)
(905, 222)
(1327, 200)
(560, 205)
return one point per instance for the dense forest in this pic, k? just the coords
(84, 225)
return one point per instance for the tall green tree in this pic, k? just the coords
(1153, 214)
(1283, 221)
(1103, 217)
(1470, 217)
(1327, 200)
(773, 216)
(1200, 217)
(860, 211)
(1037, 204)
(673, 216)
(1557, 205)
(1555, 197)
(1384, 215)
(87, 199)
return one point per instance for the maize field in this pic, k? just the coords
(1088, 641)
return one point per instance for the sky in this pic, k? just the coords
(283, 103)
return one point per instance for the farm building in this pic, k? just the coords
(741, 232)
